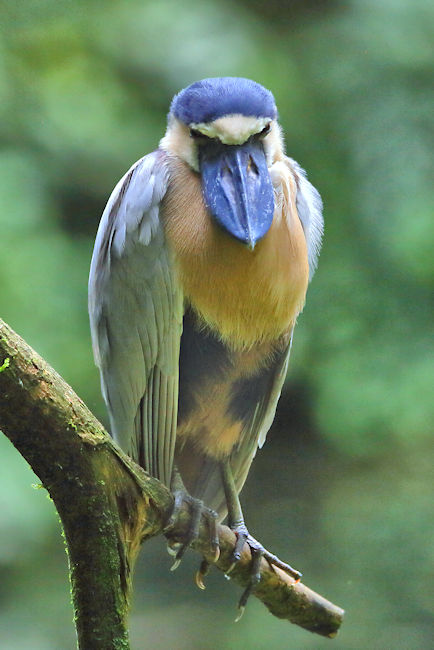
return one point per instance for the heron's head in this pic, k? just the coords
(225, 129)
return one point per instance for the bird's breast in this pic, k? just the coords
(246, 296)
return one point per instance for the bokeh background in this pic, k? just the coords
(343, 487)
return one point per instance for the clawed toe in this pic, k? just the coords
(243, 536)
(254, 579)
(258, 552)
(178, 548)
(273, 560)
(236, 524)
(201, 573)
(197, 510)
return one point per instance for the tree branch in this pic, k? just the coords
(108, 505)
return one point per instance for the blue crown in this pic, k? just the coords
(209, 99)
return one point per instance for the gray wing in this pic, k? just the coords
(309, 208)
(256, 430)
(135, 308)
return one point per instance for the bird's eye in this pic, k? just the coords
(200, 138)
(198, 135)
(265, 130)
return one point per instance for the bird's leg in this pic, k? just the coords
(197, 510)
(235, 514)
(236, 523)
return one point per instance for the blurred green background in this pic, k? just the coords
(343, 487)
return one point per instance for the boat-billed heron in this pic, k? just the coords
(200, 269)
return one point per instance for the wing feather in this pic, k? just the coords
(309, 208)
(135, 307)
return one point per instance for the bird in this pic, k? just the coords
(200, 269)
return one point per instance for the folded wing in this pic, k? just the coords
(135, 308)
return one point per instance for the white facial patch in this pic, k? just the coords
(177, 141)
(232, 129)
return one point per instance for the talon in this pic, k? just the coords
(197, 511)
(231, 568)
(201, 573)
(216, 554)
(198, 580)
(173, 548)
(241, 611)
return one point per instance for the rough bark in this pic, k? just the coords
(108, 505)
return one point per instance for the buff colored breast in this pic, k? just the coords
(247, 296)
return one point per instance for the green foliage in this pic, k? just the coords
(373, 377)
(84, 91)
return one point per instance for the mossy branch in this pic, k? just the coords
(108, 505)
